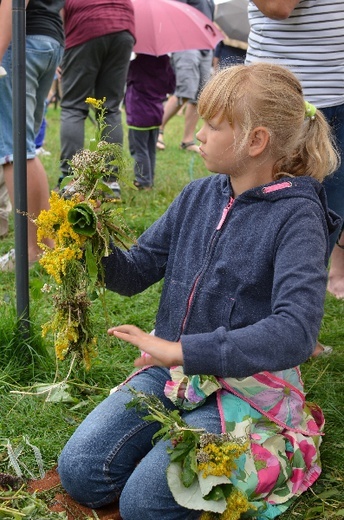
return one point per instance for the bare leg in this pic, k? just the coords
(335, 284)
(5, 205)
(336, 274)
(37, 199)
(171, 108)
(191, 119)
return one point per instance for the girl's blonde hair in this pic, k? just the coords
(264, 94)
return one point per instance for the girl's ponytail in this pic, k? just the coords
(316, 155)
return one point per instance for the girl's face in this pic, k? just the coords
(219, 146)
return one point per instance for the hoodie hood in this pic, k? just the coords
(295, 188)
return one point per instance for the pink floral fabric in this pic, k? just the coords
(283, 429)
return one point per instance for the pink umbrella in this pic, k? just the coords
(164, 26)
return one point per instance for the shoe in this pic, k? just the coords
(8, 261)
(190, 146)
(116, 190)
(160, 143)
(141, 187)
(67, 192)
(42, 151)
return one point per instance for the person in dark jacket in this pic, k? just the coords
(243, 254)
(100, 35)
(150, 79)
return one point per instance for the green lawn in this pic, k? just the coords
(27, 362)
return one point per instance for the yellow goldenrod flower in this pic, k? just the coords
(96, 103)
(219, 458)
(237, 503)
(82, 231)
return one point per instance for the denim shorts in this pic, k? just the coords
(43, 55)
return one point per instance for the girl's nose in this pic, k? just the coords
(199, 134)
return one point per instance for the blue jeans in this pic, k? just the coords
(111, 454)
(43, 55)
(334, 184)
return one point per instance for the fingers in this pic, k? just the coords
(159, 352)
(129, 333)
(126, 329)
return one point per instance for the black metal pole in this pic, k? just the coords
(19, 161)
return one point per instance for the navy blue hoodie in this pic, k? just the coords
(244, 279)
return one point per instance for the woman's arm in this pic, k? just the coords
(276, 9)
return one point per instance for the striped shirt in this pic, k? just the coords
(310, 43)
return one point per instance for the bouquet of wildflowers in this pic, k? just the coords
(201, 463)
(82, 222)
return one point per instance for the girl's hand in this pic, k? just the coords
(156, 351)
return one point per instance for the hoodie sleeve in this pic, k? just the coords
(131, 272)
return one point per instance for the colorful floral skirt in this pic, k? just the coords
(284, 433)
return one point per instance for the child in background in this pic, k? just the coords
(243, 254)
(40, 137)
(229, 52)
(149, 80)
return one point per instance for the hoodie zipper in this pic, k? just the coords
(222, 220)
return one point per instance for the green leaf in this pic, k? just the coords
(180, 451)
(91, 264)
(191, 497)
(328, 493)
(83, 219)
(313, 512)
(188, 470)
(104, 187)
(210, 482)
(55, 393)
(66, 180)
(8, 512)
(219, 492)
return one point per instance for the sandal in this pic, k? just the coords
(160, 143)
(190, 146)
(141, 187)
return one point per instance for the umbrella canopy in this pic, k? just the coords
(164, 26)
(231, 16)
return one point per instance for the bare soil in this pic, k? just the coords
(63, 502)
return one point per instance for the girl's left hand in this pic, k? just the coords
(156, 351)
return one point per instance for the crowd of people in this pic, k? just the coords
(242, 302)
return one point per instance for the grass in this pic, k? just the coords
(28, 361)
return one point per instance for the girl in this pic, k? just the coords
(243, 255)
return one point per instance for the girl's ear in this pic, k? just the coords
(259, 140)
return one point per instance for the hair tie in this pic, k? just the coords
(310, 110)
